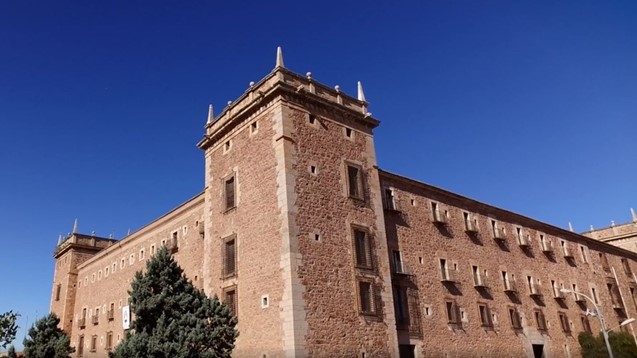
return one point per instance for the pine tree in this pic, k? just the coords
(46, 340)
(8, 328)
(173, 318)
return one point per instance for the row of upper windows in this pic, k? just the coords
(498, 231)
(172, 243)
(449, 273)
(457, 317)
(355, 185)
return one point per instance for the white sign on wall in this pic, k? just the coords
(126, 317)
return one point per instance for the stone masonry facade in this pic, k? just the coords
(320, 253)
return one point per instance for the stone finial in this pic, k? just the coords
(279, 57)
(632, 213)
(361, 94)
(309, 76)
(59, 239)
(251, 84)
(211, 116)
(612, 223)
(570, 226)
(75, 226)
(592, 228)
(337, 88)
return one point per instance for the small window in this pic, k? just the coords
(566, 326)
(106, 271)
(122, 263)
(313, 169)
(485, 316)
(58, 291)
(397, 262)
(470, 224)
(230, 300)
(265, 301)
(226, 146)
(594, 294)
(604, 261)
(131, 259)
(453, 313)
(354, 181)
(626, 267)
(508, 280)
(349, 134)
(540, 320)
(312, 119)
(152, 249)
(80, 346)
(114, 266)
(254, 127)
(229, 193)
(141, 254)
(366, 295)
(93, 278)
(514, 316)
(109, 341)
(99, 275)
(86, 281)
(390, 203)
(93, 343)
(586, 325)
(363, 249)
(583, 254)
(230, 257)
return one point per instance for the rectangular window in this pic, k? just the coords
(93, 343)
(363, 248)
(514, 316)
(534, 286)
(566, 326)
(400, 306)
(58, 291)
(367, 301)
(439, 216)
(447, 272)
(229, 193)
(479, 277)
(354, 181)
(230, 300)
(111, 312)
(397, 262)
(141, 254)
(508, 280)
(626, 267)
(583, 253)
(453, 313)
(586, 325)
(566, 249)
(604, 261)
(389, 199)
(594, 294)
(229, 257)
(540, 320)
(498, 230)
(80, 346)
(109, 341)
(485, 316)
(470, 224)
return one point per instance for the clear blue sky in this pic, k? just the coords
(527, 105)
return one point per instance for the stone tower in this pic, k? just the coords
(69, 254)
(293, 209)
